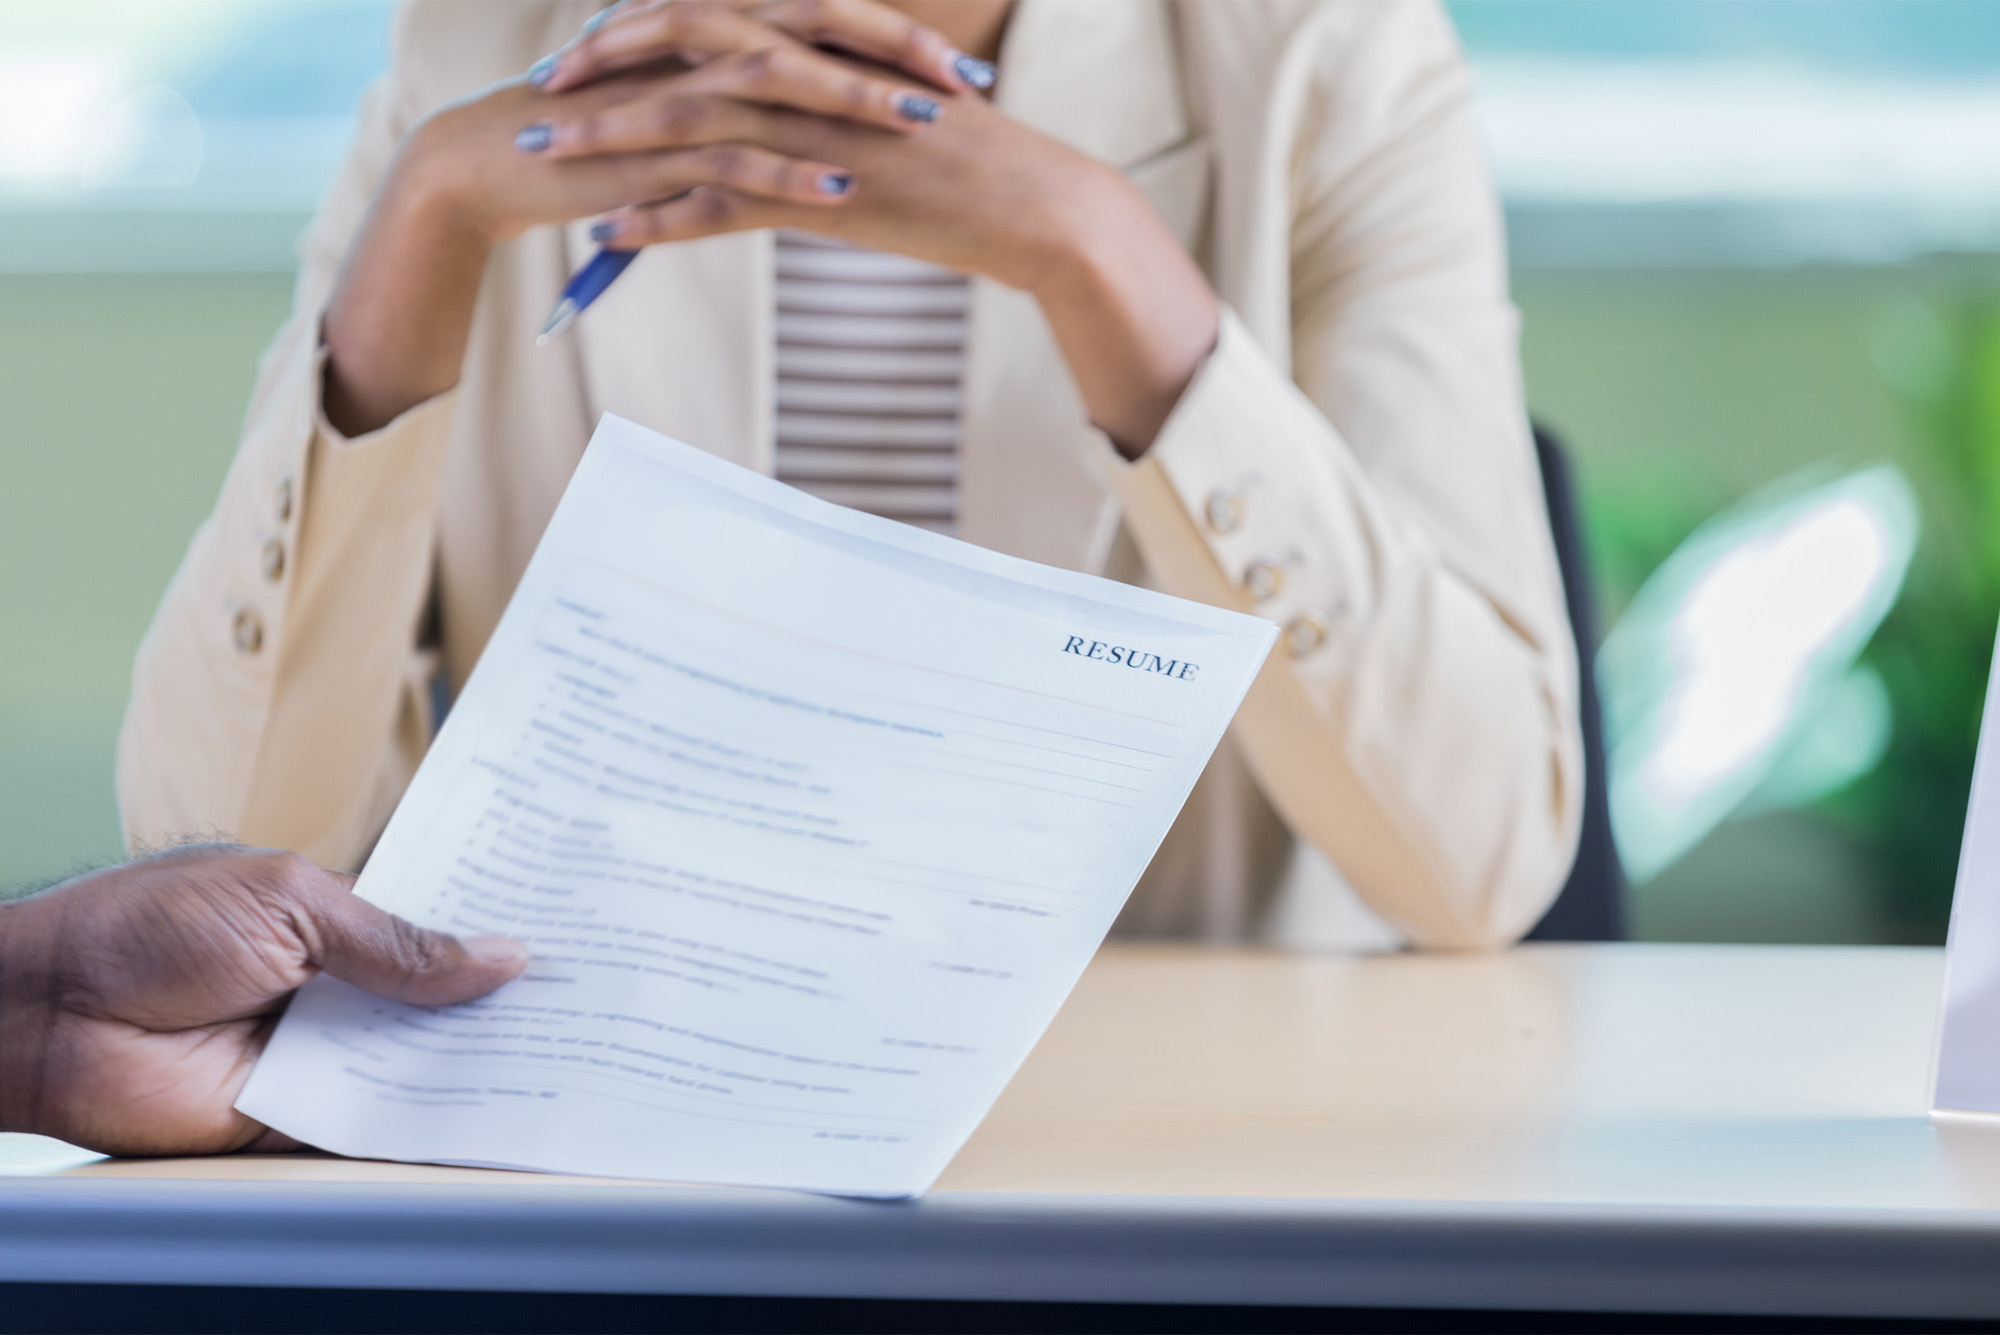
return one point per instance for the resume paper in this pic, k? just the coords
(811, 820)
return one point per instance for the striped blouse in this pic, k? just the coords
(870, 351)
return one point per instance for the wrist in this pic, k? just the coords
(1133, 313)
(423, 203)
(397, 323)
(426, 196)
(24, 1017)
(1081, 221)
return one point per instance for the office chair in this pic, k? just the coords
(1591, 906)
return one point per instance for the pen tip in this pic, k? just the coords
(561, 318)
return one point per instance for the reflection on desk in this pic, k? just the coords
(1588, 1127)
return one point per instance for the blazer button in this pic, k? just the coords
(1224, 510)
(274, 560)
(1263, 579)
(285, 501)
(1304, 633)
(249, 632)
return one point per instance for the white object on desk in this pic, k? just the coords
(1968, 1051)
(811, 819)
(31, 1156)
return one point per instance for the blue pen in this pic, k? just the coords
(587, 286)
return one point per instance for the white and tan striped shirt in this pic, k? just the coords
(871, 350)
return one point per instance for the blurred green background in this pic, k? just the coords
(1691, 335)
(120, 397)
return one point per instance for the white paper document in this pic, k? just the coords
(810, 819)
(1966, 1076)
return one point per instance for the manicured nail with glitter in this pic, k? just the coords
(836, 183)
(544, 69)
(602, 232)
(913, 108)
(534, 138)
(596, 21)
(977, 73)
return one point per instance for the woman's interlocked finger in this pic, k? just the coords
(873, 30)
(730, 98)
(694, 31)
(698, 213)
(743, 170)
(628, 36)
(663, 118)
(808, 81)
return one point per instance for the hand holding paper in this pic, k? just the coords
(811, 820)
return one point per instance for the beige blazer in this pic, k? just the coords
(1353, 461)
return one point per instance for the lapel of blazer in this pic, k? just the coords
(682, 343)
(1102, 77)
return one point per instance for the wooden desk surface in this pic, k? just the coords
(1630, 1127)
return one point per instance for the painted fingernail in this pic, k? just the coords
(836, 183)
(603, 231)
(977, 73)
(597, 20)
(544, 69)
(534, 138)
(913, 108)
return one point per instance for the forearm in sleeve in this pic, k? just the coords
(277, 695)
(1414, 730)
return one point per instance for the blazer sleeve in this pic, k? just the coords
(280, 695)
(1380, 499)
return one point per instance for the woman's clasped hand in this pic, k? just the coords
(688, 111)
(682, 119)
(749, 126)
